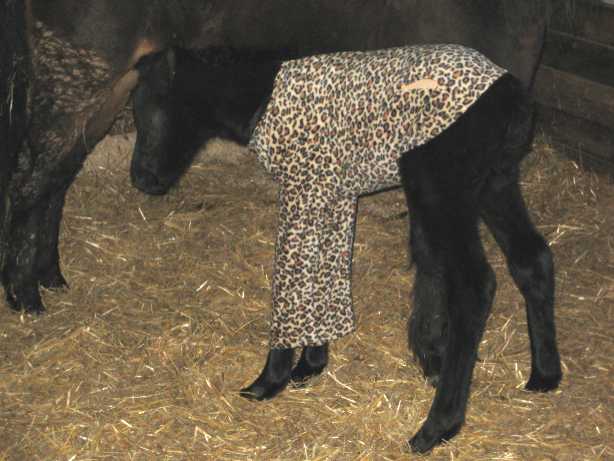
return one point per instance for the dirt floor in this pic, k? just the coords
(166, 319)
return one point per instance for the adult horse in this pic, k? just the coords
(13, 95)
(84, 52)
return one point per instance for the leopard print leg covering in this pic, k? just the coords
(335, 126)
(312, 299)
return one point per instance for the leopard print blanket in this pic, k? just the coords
(333, 129)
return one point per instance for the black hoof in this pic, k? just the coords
(260, 390)
(53, 280)
(30, 302)
(428, 437)
(312, 362)
(539, 383)
(274, 377)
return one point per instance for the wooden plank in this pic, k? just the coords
(577, 96)
(591, 144)
(575, 85)
(589, 60)
(590, 20)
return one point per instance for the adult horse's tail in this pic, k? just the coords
(14, 67)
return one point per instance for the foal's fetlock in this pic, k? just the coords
(428, 326)
(312, 362)
(431, 368)
(429, 351)
(274, 377)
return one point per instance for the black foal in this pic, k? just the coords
(467, 172)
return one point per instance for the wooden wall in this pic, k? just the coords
(575, 84)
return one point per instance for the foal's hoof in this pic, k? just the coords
(422, 442)
(262, 390)
(312, 362)
(539, 383)
(301, 375)
(428, 437)
(274, 377)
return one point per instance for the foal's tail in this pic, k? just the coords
(520, 116)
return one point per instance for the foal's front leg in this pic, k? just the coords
(274, 377)
(312, 362)
(278, 371)
(311, 288)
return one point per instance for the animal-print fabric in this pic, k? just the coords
(334, 128)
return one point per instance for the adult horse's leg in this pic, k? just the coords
(33, 256)
(72, 111)
(47, 268)
(14, 81)
(18, 276)
(529, 260)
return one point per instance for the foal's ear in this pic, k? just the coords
(158, 70)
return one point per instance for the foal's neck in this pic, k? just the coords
(227, 88)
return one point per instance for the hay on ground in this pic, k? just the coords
(166, 319)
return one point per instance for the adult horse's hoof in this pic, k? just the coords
(274, 377)
(28, 300)
(539, 383)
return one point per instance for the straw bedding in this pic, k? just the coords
(166, 319)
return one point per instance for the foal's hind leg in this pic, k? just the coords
(452, 257)
(530, 263)
(428, 322)
(470, 286)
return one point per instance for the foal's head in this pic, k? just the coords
(184, 98)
